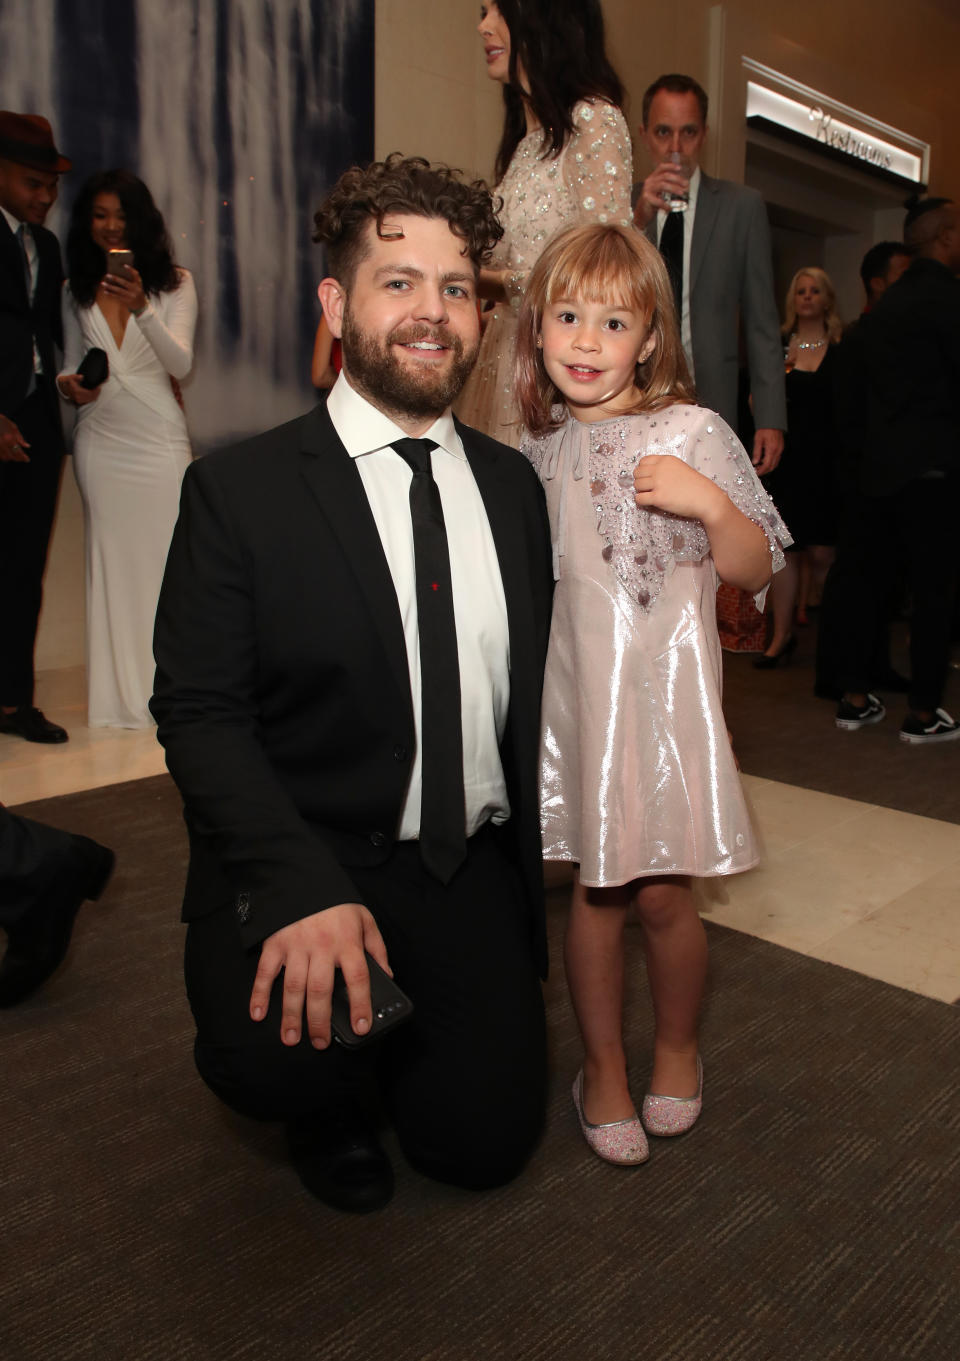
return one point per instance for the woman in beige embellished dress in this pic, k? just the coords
(564, 159)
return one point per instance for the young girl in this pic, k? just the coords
(651, 498)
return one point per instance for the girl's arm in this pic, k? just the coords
(739, 547)
(322, 372)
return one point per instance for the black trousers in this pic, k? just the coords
(915, 529)
(839, 601)
(28, 501)
(463, 1082)
(30, 855)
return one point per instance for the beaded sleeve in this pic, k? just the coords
(598, 164)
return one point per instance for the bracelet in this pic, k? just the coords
(140, 312)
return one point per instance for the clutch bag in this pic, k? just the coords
(94, 368)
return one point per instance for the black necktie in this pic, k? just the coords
(442, 815)
(27, 272)
(671, 248)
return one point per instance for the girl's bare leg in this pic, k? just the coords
(676, 946)
(593, 954)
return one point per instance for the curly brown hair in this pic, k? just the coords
(402, 184)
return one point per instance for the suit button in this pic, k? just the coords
(378, 839)
(400, 752)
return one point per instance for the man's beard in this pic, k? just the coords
(378, 372)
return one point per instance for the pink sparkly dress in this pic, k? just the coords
(589, 181)
(637, 774)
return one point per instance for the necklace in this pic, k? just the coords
(807, 344)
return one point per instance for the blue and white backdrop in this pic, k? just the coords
(238, 114)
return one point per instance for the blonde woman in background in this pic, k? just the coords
(803, 484)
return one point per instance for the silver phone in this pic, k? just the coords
(118, 261)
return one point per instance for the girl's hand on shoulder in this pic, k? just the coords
(126, 288)
(667, 483)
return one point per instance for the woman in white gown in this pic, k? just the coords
(131, 446)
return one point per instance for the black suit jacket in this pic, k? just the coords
(282, 691)
(20, 322)
(909, 347)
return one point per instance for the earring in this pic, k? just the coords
(539, 342)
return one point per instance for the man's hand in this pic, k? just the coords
(767, 448)
(12, 443)
(308, 951)
(71, 387)
(664, 178)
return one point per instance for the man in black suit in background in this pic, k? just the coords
(349, 783)
(30, 327)
(908, 354)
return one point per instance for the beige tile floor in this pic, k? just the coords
(872, 889)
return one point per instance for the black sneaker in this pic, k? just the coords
(940, 728)
(849, 716)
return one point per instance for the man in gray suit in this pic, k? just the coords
(726, 262)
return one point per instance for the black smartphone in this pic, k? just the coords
(117, 262)
(390, 1006)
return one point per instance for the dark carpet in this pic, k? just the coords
(782, 732)
(813, 1212)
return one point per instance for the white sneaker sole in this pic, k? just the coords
(921, 739)
(852, 724)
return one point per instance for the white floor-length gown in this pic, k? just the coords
(130, 453)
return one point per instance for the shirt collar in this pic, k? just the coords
(12, 222)
(364, 428)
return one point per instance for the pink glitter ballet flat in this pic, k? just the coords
(667, 1115)
(622, 1142)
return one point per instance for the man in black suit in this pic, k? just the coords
(908, 477)
(30, 327)
(348, 786)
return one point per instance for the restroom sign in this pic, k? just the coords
(807, 116)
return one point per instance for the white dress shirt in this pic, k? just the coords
(688, 219)
(479, 606)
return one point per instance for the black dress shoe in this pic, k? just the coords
(36, 945)
(30, 723)
(767, 661)
(342, 1165)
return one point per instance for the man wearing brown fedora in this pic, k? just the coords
(30, 327)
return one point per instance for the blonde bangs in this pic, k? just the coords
(601, 268)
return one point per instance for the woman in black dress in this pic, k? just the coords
(803, 483)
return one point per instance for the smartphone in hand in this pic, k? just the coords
(390, 1006)
(118, 261)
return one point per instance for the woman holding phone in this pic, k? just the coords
(126, 296)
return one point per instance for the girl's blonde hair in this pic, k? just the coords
(609, 265)
(831, 317)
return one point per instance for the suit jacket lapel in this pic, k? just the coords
(332, 477)
(12, 261)
(508, 533)
(704, 221)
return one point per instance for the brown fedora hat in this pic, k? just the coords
(27, 139)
